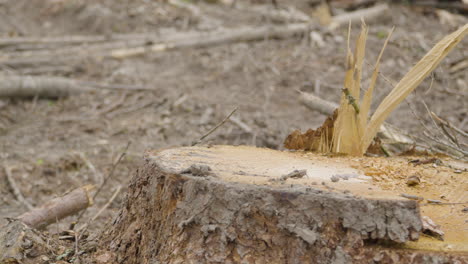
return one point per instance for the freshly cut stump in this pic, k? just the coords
(226, 204)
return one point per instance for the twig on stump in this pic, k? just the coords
(214, 128)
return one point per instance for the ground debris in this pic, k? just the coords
(412, 197)
(432, 229)
(296, 174)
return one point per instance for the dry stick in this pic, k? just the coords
(367, 13)
(217, 38)
(112, 170)
(448, 124)
(316, 103)
(16, 191)
(107, 178)
(214, 128)
(52, 87)
(30, 86)
(139, 47)
(284, 15)
(449, 136)
(58, 208)
(65, 54)
(444, 147)
(117, 86)
(85, 226)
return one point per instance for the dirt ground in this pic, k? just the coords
(57, 145)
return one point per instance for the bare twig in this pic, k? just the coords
(446, 147)
(449, 125)
(217, 38)
(214, 128)
(58, 208)
(16, 191)
(316, 103)
(31, 86)
(111, 173)
(367, 13)
(122, 155)
(52, 87)
(412, 197)
(85, 226)
(117, 86)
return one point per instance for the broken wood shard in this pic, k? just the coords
(237, 214)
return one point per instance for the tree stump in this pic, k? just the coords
(226, 204)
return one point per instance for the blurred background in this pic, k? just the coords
(163, 73)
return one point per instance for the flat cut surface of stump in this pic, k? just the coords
(232, 204)
(370, 178)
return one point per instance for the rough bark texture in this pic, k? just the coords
(180, 218)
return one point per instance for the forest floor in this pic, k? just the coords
(55, 146)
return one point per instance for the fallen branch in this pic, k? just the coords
(316, 103)
(52, 87)
(126, 46)
(217, 38)
(58, 208)
(283, 14)
(30, 86)
(355, 16)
